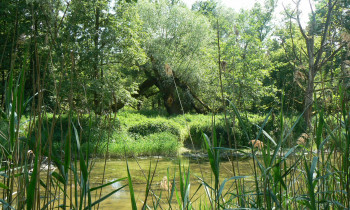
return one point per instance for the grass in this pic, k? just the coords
(315, 176)
(164, 144)
(286, 176)
(24, 184)
(150, 134)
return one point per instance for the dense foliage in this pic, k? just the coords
(77, 79)
(102, 55)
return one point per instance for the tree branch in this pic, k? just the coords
(299, 24)
(331, 56)
(145, 86)
(324, 36)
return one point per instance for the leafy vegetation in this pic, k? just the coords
(103, 78)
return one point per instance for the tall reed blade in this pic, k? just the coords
(148, 185)
(31, 192)
(310, 181)
(131, 189)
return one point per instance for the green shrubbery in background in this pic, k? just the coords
(148, 133)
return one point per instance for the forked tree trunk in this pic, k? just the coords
(169, 94)
(315, 60)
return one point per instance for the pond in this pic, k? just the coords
(139, 168)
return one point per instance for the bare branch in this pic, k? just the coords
(290, 15)
(64, 15)
(305, 53)
(293, 45)
(312, 10)
(324, 35)
(298, 20)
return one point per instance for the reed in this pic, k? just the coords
(313, 175)
(51, 179)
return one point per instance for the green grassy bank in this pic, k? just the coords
(148, 133)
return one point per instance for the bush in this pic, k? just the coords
(157, 125)
(197, 129)
(153, 134)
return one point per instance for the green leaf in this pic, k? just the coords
(5, 205)
(3, 186)
(172, 189)
(131, 189)
(148, 185)
(107, 184)
(105, 197)
(32, 183)
(83, 167)
(285, 138)
(3, 115)
(243, 126)
(58, 177)
(331, 135)
(224, 182)
(267, 135)
(313, 165)
(67, 157)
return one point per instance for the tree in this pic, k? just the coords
(288, 72)
(103, 45)
(316, 37)
(175, 42)
(244, 38)
(15, 31)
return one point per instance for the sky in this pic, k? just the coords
(247, 4)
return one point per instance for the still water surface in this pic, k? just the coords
(116, 169)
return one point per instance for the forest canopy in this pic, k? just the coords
(103, 55)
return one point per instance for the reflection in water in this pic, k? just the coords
(139, 171)
(115, 186)
(165, 184)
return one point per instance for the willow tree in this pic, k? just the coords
(176, 42)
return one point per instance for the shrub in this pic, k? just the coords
(220, 130)
(157, 125)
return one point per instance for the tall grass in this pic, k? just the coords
(33, 176)
(286, 176)
(311, 176)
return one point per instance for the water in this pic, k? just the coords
(116, 169)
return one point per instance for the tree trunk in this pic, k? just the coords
(315, 60)
(171, 88)
(310, 85)
(309, 100)
(172, 103)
